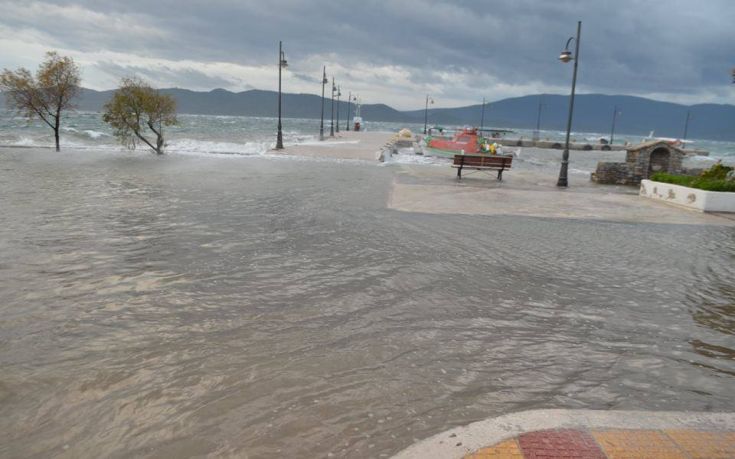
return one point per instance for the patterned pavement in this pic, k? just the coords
(613, 444)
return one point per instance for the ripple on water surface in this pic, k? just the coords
(185, 306)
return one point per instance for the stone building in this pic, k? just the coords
(641, 161)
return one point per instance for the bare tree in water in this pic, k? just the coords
(138, 112)
(47, 94)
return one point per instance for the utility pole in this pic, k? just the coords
(686, 124)
(482, 116)
(537, 134)
(612, 131)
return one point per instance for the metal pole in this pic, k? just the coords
(279, 138)
(612, 131)
(331, 124)
(686, 125)
(426, 113)
(538, 118)
(482, 116)
(321, 123)
(349, 99)
(339, 93)
(565, 156)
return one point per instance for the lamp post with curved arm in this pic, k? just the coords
(282, 64)
(331, 124)
(349, 99)
(321, 123)
(339, 93)
(426, 111)
(565, 57)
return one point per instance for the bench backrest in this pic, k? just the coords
(483, 160)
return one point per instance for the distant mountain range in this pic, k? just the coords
(592, 112)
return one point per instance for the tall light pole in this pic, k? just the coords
(615, 117)
(482, 115)
(339, 93)
(282, 64)
(686, 124)
(349, 99)
(565, 57)
(321, 123)
(426, 111)
(331, 124)
(541, 105)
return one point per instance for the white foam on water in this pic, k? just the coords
(193, 146)
(95, 134)
(409, 158)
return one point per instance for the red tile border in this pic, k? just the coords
(558, 444)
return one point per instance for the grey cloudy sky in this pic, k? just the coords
(393, 52)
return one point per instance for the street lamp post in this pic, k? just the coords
(541, 105)
(426, 111)
(339, 93)
(565, 57)
(282, 64)
(331, 124)
(349, 99)
(686, 124)
(615, 117)
(321, 123)
(482, 115)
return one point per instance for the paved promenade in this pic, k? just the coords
(585, 434)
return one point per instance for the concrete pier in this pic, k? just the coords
(361, 145)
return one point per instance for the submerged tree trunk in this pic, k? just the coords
(159, 144)
(56, 137)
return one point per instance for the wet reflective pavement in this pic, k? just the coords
(184, 306)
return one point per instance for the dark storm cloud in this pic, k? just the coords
(667, 47)
(184, 78)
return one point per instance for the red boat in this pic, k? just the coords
(468, 141)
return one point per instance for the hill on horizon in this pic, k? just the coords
(592, 112)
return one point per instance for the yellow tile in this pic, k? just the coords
(508, 449)
(626, 444)
(709, 445)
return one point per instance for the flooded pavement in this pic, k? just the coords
(185, 306)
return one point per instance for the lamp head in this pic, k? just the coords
(566, 56)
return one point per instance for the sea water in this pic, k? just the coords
(239, 135)
(232, 303)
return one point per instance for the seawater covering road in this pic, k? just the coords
(184, 306)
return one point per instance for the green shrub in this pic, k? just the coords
(701, 182)
(716, 172)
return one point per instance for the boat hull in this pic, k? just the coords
(430, 151)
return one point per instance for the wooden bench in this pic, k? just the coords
(482, 162)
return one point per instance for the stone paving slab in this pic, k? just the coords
(585, 434)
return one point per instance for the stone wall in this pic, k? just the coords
(612, 173)
(640, 162)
